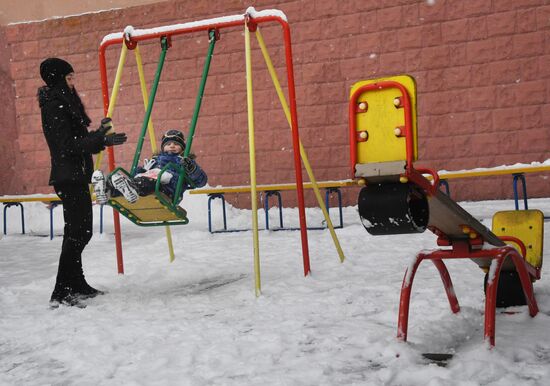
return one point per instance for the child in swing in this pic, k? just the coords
(145, 180)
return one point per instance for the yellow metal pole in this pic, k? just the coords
(145, 95)
(252, 151)
(114, 94)
(151, 132)
(303, 153)
(170, 244)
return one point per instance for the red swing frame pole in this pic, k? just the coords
(296, 146)
(111, 158)
(217, 24)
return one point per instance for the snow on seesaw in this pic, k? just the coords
(197, 321)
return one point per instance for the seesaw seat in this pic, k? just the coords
(526, 225)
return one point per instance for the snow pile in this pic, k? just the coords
(197, 322)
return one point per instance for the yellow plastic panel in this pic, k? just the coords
(526, 225)
(381, 119)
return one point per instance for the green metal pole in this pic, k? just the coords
(164, 45)
(212, 37)
(205, 70)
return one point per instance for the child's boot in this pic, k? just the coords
(100, 187)
(124, 185)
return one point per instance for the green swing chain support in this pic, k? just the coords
(182, 177)
(164, 45)
(213, 36)
(172, 205)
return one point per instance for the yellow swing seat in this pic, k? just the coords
(152, 210)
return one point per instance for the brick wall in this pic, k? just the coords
(480, 66)
(7, 121)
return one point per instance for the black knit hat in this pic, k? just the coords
(173, 136)
(54, 70)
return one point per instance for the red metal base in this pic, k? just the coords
(462, 250)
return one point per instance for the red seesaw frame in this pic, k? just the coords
(462, 250)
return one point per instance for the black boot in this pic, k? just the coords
(62, 295)
(70, 270)
(83, 290)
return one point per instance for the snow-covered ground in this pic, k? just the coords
(197, 321)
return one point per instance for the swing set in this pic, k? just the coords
(158, 209)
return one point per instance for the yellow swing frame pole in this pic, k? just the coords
(252, 153)
(114, 95)
(303, 153)
(151, 132)
(145, 96)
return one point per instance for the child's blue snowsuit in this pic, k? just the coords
(194, 172)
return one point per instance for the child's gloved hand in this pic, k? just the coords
(189, 165)
(151, 173)
(148, 163)
(165, 178)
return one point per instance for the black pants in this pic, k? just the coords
(77, 213)
(145, 186)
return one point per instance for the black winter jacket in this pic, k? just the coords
(65, 125)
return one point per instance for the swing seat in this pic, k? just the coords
(152, 210)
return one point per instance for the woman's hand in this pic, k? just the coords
(114, 139)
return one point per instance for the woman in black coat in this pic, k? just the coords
(65, 125)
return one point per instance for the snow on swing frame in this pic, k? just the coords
(250, 20)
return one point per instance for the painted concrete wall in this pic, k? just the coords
(481, 69)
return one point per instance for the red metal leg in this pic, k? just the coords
(448, 284)
(497, 255)
(492, 286)
(491, 300)
(526, 283)
(403, 320)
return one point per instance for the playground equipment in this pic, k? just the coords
(52, 200)
(159, 209)
(398, 198)
(151, 211)
(268, 191)
(517, 172)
